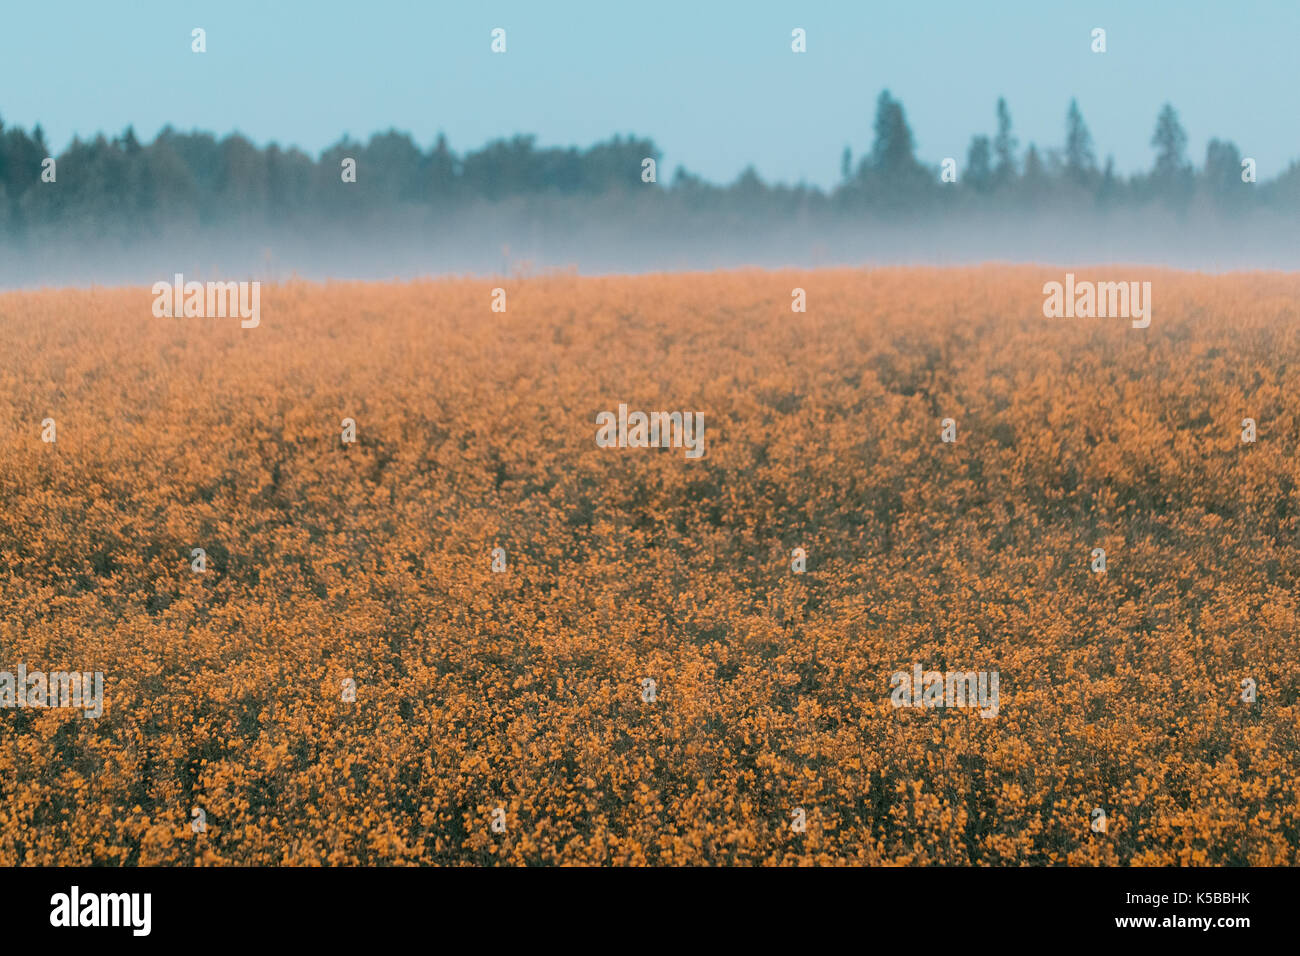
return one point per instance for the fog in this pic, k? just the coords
(496, 240)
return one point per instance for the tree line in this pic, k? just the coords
(195, 180)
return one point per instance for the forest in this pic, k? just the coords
(183, 182)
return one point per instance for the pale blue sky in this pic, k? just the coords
(713, 83)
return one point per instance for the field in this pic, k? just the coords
(1120, 691)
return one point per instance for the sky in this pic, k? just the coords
(714, 84)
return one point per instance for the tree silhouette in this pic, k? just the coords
(979, 164)
(1080, 163)
(1004, 147)
(892, 153)
(1172, 176)
(1222, 169)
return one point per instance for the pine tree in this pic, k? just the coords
(1080, 163)
(1004, 147)
(979, 166)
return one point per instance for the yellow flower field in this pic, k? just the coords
(523, 690)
